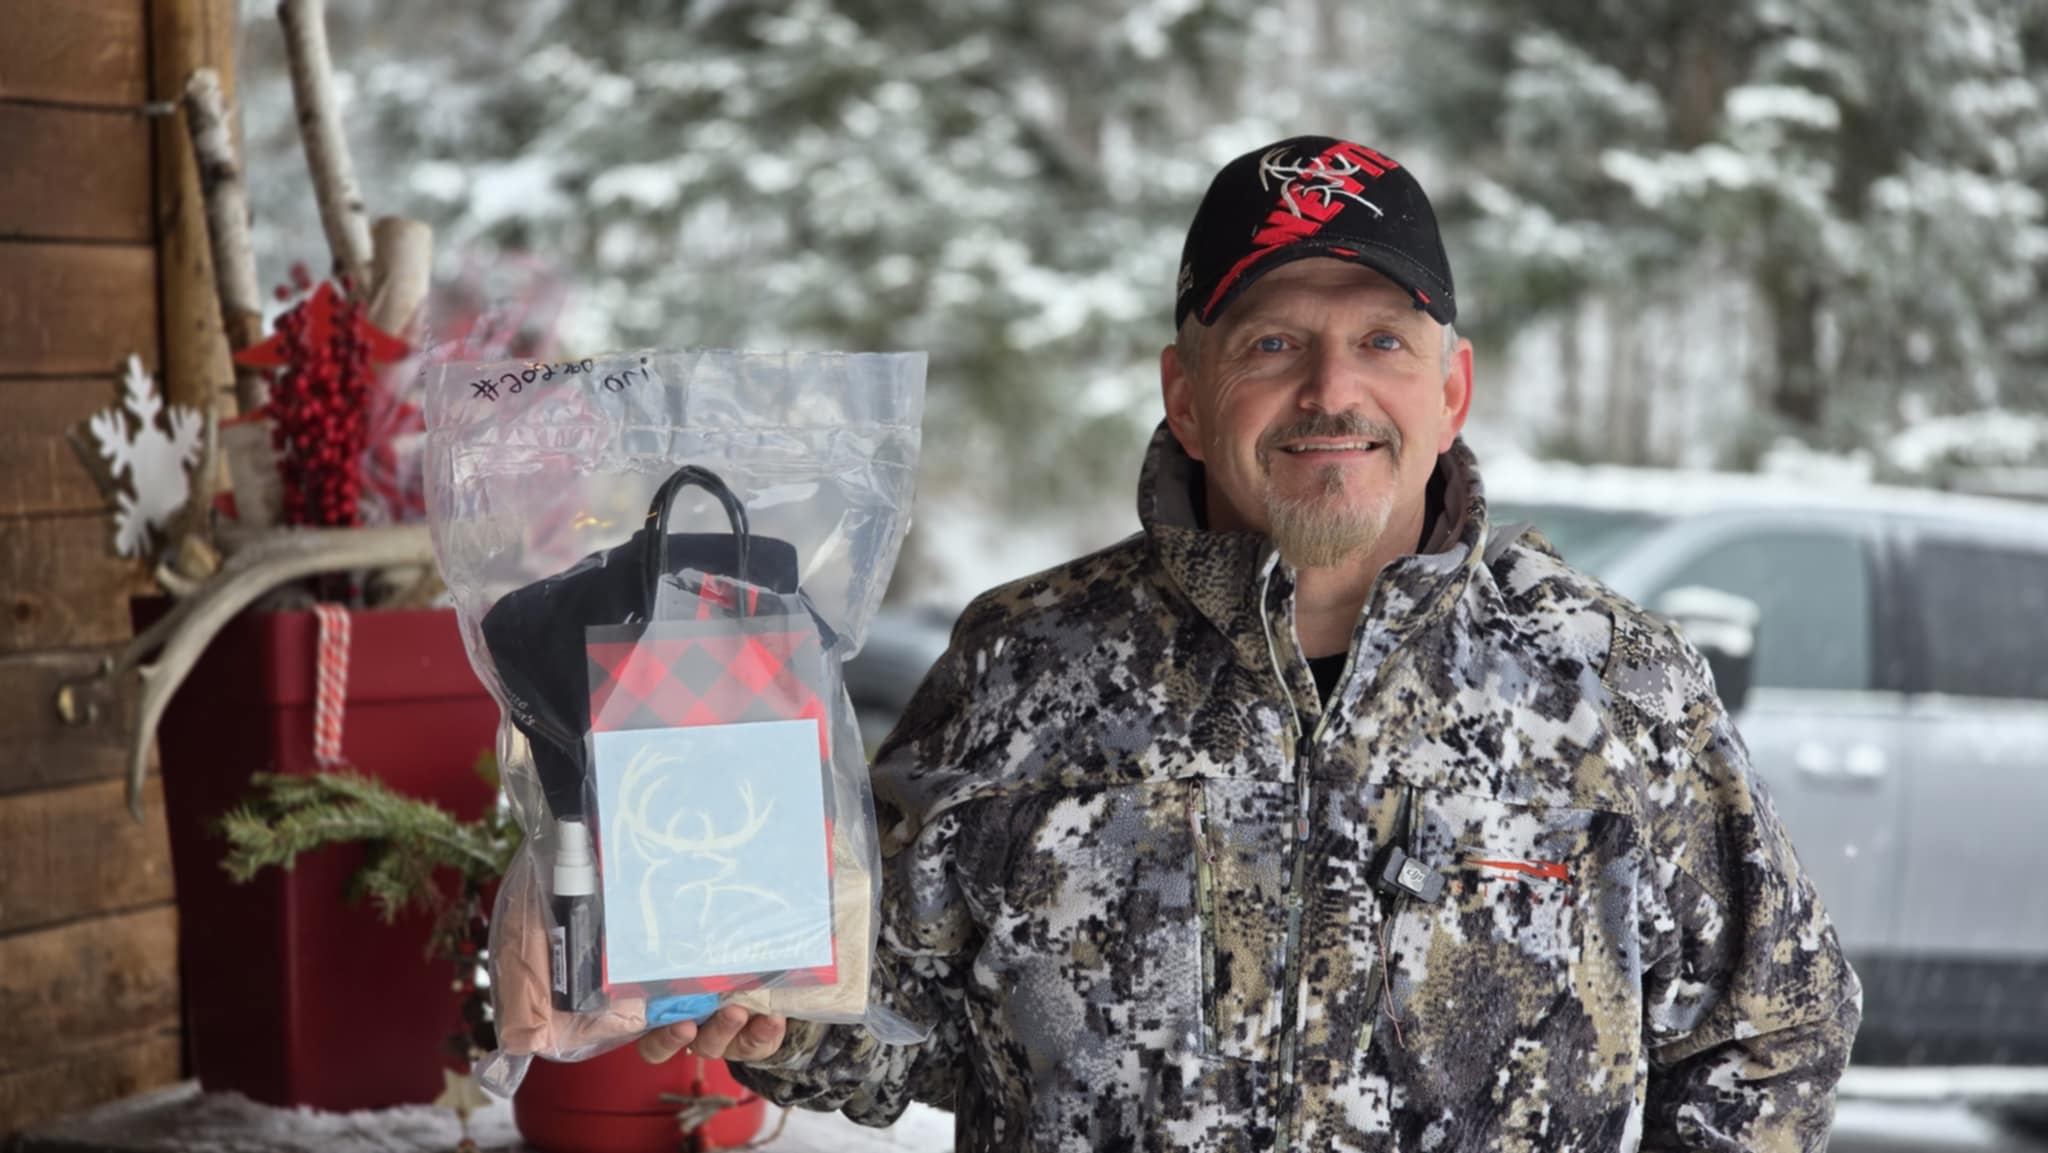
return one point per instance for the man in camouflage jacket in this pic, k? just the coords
(1145, 823)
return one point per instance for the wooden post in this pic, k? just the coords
(187, 35)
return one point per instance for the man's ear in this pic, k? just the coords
(1457, 395)
(1178, 390)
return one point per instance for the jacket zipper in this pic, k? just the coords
(1205, 909)
(1290, 967)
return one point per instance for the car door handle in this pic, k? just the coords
(1816, 760)
(1862, 764)
(1865, 763)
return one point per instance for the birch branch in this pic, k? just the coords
(227, 228)
(404, 265)
(334, 179)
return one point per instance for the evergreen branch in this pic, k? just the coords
(406, 839)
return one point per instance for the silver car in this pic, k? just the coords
(1896, 707)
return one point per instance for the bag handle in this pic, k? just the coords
(655, 556)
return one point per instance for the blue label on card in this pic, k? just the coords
(714, 854)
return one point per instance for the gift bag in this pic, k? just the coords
(711, 764)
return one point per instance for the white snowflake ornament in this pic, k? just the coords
(154, 459)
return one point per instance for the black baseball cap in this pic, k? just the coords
(1312, 196)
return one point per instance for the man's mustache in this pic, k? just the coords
(1332, 426)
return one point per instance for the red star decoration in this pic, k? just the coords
(323, 311)
(324, 352)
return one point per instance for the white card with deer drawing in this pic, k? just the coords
(713, 851)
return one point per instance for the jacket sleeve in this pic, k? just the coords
(1749, 1005)
(925, 941)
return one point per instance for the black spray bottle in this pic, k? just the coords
(577, 976)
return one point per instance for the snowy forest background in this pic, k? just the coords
(1754, 234)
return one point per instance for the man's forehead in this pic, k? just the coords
(1324, 281)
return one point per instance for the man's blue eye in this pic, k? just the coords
(1387, 342)
(1272, 344)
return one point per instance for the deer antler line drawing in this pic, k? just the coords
(633, 830)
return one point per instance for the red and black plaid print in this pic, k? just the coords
(682, 673)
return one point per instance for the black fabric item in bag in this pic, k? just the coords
(537, 634)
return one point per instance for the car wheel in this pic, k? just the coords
(2028, 1119)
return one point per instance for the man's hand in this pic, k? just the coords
(732, 1034)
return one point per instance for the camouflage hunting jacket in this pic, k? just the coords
(1129, 859)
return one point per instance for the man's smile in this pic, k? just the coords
(1329, 447)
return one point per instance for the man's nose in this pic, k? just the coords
(1337, 381)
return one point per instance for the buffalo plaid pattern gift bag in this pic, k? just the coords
(717, 669)
(712, 747)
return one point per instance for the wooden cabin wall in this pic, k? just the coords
(98, 260)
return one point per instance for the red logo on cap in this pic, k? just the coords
(1312, 193)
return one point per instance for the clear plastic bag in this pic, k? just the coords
(659, 561)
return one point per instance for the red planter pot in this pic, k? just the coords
(292, 996)
(612, 1104)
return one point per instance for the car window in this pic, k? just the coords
(1812, 590)
(1984, 614)
(1587, 538)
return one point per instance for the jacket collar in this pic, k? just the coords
(1222, 574)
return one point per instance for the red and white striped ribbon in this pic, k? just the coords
(330, 700)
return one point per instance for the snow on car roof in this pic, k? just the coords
(1513, 478)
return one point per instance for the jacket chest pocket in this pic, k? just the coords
(1512, 874)
(1503, 945)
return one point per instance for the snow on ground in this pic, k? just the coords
(1993, 436)
(921, 1129)
(1982, 1084)
(181, 1119)
(1880, 1111)
(1875, 1126)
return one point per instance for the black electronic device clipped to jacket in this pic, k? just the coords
(1399, 872)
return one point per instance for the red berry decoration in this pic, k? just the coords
(324, 350)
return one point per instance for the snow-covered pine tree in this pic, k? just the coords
(1001, 184)
(1867, 171)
